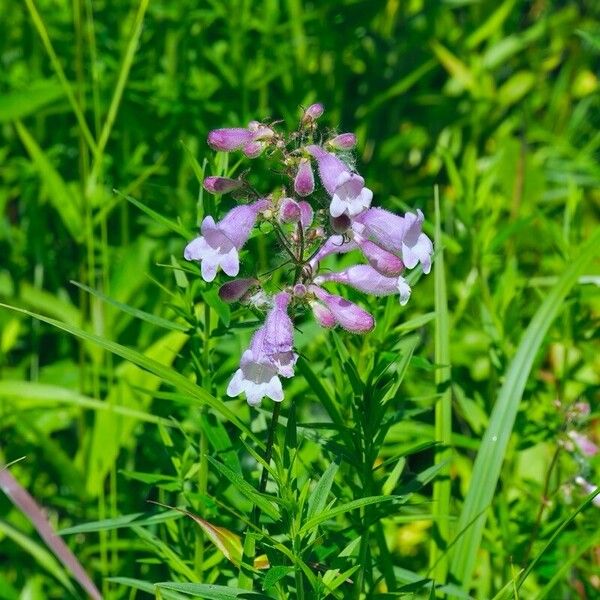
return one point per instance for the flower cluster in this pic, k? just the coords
(310, 222)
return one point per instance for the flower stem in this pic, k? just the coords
(262, 486)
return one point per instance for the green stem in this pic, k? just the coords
(262, 486)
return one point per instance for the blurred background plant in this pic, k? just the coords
(104, 111)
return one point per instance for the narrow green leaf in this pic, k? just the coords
(246, 489)
(443, 409)
(318, 498)
(490, 457)
(122, 522)
(135, 312)
(176, 227)
(343, 508)
(211, 592)
(275, 574)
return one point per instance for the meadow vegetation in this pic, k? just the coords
(441, 456)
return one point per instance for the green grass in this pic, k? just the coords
(428, 459)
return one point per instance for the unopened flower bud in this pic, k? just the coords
(313, 112)
(304, 183)
(253, 149)
(340, 224)
(306, 214)
(235, 290)
(322, 314)
(344, 141)
(289, 211)
(229, 139)
(347, 314)
(221, 185)
(381, 260)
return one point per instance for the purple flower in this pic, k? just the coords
(322, 314)
(351, 197)
(313, 112)
(221, 185)
(344, 141)
(235, 290)
(253, 149)
(381, 260)
(304, 183)
(347, 314)
(416, 246)
(365, 278)
(234, 138)
(219, 243)
(270, 354)
(228, 139)
(336, 244)
(257, 376)
(279, 332)
(306, 214)
(347, 190)
(400, 235)
(289, 211)
(383, 227)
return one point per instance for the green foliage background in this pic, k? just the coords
(495, 102)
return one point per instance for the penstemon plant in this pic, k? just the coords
(323, 208)
(310, 222)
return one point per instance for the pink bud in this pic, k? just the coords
(347, 314)
(235, 290)
(313, 112)
(322, 314)
(253, 149)
(221, 185)
(289, 211)
(344, 141)
(304, 183)
(381, 260)
(306, 214)
(229, 139)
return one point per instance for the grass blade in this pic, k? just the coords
(490, 457)
(443, 410)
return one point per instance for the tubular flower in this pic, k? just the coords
(279, 336)
(234, 138)
(402, 236)
(347, 190)
(219, 243)
(346, 314)
(416, 246)
(365, 278)
(257, 375)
